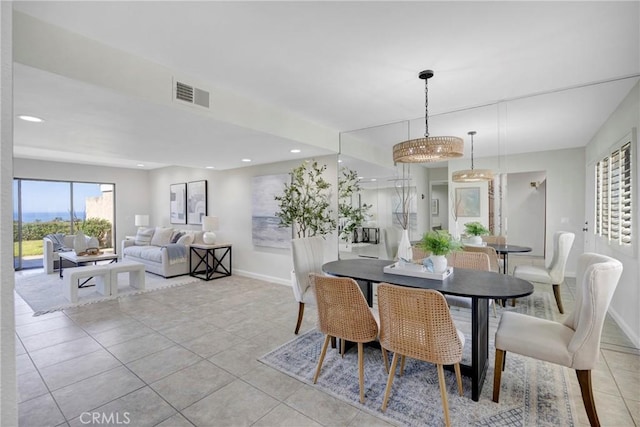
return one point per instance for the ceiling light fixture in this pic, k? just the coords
(429, 148)
(140, 165)
(246, 160)
(33, 119)
(209, 167)
(472, 175)
(295, 150)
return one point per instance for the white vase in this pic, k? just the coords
(80, 243)
(439, 263)
(404, 247)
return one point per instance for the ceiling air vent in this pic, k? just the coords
(192, 95)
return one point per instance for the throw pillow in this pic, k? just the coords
(143, 236)
(186, 240)
(80, 243)
(162, 236)
(176, 236)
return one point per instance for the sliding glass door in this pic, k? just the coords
(45, 207)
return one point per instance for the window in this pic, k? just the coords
(613, 211)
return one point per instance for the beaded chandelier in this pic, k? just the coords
(472, 175)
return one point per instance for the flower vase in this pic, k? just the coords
(475, 240)
(404, 247)
(439, 263)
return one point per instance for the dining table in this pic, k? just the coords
(507, 249)
(480, 286)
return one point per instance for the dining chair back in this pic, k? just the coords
(472, 261)
(416, 323)
(496, 240)
(391, 237)
(308, 257)
(494, 263)
(575, 343)
(343, 313)
(553, 274)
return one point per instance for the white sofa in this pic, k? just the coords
(149, 248)
(50, 252)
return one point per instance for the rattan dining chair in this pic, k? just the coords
(494, 264)
(497, 240)
(471, 261)
(574, 343)
(343, 313)
(416, 323)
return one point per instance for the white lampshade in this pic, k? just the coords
(209, 225)
(141, 220)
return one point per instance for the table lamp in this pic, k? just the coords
(141, 220)
(209, 225)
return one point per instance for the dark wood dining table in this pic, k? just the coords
(480, 286)
(507, 249)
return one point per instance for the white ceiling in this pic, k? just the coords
(347, 66)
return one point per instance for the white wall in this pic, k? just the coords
(440, 192)
(131, 187)
(526, 210)
(229, 198)
(626, 300)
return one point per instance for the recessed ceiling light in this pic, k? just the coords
(359, 177)
(30, 118)
(210, 167)
(140, 165)
(373, 180)
(246, 160)
(295, 150)
(339, 160)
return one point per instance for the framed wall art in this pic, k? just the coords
(265, 228)
(435, 207)
(178, 203)
(196, 201)
(468, 201)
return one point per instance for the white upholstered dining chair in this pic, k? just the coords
(575, 343)
(308, 257)
(554, 273)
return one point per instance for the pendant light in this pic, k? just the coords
(472, 175)
(429, 148)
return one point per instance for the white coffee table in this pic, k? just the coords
(72, 257)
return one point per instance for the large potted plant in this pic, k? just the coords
(305, 202)
(440, 244)
(351, 217)
(475, 230)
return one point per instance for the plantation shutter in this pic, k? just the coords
(613, 196)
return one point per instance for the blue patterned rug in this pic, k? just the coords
(533, 393)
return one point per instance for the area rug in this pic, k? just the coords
(44, 295)
(533, 393)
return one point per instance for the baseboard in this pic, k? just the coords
(635, 340)
(264, 277)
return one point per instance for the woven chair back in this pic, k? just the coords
(494, 264)
(419, 254)
(470, 260)
(343, 311)
(417, 323)
(496, 240)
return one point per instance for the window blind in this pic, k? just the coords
(613, 196)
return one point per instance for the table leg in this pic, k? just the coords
(479, 344)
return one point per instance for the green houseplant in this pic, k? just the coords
(351, 217)
(475, 229)
(440, 243)
(305, 202)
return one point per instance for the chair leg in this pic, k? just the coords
(322, 354)
(385, 359)
(458, 377)
(497, 374)
(361, 370)
(495, 312)
(443, 394)
(513, 302)
(343, 346)
(584, 378)
(300, 314)
(387, 390)
(333, 342)
(402, 365)
(556, 293)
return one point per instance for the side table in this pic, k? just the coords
(209, 262)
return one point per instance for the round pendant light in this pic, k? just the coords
(472, 175)
(429, 148)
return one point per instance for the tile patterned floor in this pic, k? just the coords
(187, 356)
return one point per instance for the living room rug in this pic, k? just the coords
(533, 393)
(44, 295)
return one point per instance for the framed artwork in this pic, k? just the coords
(265, 225)
(435, 207)
(468, 201)
(178, 203)
(196, 201)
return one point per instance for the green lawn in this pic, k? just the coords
(29, 247)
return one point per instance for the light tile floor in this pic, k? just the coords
(188, 355)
